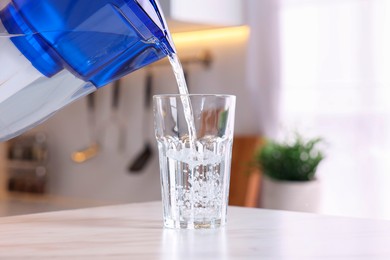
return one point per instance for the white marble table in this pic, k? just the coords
(135, 232)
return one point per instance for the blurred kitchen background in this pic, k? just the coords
(320, 67)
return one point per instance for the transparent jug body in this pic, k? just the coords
(54, 52)
(27, 97)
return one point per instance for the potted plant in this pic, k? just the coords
(289, 170)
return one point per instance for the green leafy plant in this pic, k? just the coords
(295, 161)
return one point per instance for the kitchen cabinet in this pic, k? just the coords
(186, 15)
(26, 165)
(3, 179)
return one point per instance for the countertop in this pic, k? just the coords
(134, 231)
(18, 203)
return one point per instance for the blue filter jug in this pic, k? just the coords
(53, 52)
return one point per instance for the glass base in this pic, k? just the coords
(209, 224)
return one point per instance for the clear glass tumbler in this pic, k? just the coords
(194, 165)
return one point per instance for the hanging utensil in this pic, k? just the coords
(186, 78)
(143, 157)
(116, 118)
(114, 126)
(92, 150)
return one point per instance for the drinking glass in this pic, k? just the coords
(195, 137)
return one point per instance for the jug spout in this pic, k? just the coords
(58, 51)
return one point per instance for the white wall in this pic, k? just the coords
(105, 177)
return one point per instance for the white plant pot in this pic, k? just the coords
(290, 195)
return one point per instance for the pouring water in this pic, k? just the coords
(183, 90)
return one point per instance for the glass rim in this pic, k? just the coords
(164, 96)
